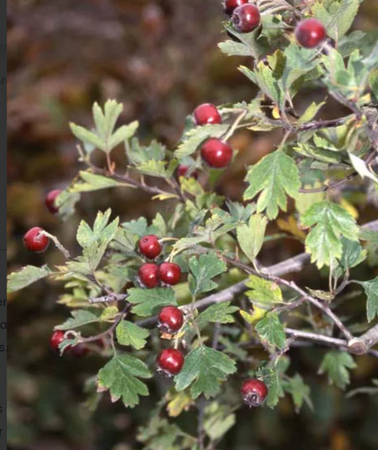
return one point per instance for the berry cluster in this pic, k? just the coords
(151, 274)
(245, 17)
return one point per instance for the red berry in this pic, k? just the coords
(149, 275)
(230, 5)
(182, 171)
(245, 18)
(170, 319)
(149, 246)
(169, 273)
(206, 114)
(310, 33)
(254, 392)
(216, 153)
(78, 351)
(170, 361)
(50, 201)
(56, 338)
(35, 241)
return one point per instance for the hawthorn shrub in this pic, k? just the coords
(174, 278)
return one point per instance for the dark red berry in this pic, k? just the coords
(50, 201)
(310, 33)
(169, 273)
(149, 275)
(182, 171)
(170, 361)
(56, 338)
(206, 114)
(230, 5)
(78, 351)
(254, 392)
(170, 319)
(149, 246)
(35, 240)
(216, 153)
(245, 18)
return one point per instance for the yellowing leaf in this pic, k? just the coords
(179, 402)
(291, 226)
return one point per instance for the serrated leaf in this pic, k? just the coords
(138, 227)
(79, 318)
(153, 168)
(251, 237)
(257, 314)
(220, 312)
(91, 182)
(204, 369)
(149, 301)
(203, 269)
(87, 136)
(122, 134)
(120, 377)
(371, 291)
(337, 17)
(263, 293)
(129, 333)
(218, 421)
(271, 331)
(275, 176)
(336, 365)
(178, 403)
(331, 223)
(352, 254)
(26, 276)
(194, 138)
(232, 48)
(299, 391)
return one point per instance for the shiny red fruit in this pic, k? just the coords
(310, 33)
(170, 319)
(254, 392)
(182, 171)
(245, 18)
(216, 153)
(56, 338)
(170, 273)
(149, 275)
(230, 5)
(149, 246)
(206, 114)
(170, 361)
(35, 241)
(50, 201)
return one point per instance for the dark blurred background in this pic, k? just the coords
(160, 59)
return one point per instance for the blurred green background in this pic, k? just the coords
(160, 59)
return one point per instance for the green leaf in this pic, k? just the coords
(194, 138)
(371, 291)
(119, 376)
(26, 276)
(299, 391)
(122, 134)
(232, 48)
(129, 333)
(336, 365)
(79, 318)
(371, 238)
(275, 176)
(149, 301)
(263, 293)
(352, 255)
(205, 368)
(271, 331)
(251, 237)
(138, 154)
(218, 421)
(337, 17)
(220, 312)
(138, 227)
(90, 182)
(310, 113)
(87, 136)
(153, 168)
(331, 223)
(203, 270)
